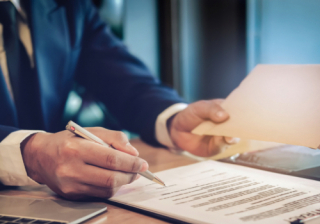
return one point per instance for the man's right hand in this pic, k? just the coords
(76, 168)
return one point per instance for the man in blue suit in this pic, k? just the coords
(44, 47)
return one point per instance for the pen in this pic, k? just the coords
(79, 131)
(311, 220)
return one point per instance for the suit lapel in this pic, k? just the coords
(51, 46)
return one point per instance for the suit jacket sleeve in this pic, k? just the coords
(5, 131)
(120, 80)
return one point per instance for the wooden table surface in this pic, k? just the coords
(159, 159)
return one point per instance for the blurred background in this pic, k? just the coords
(204, 48)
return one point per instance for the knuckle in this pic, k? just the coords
(69, 149)
(217, 146)
(83, 189)
(217, 101)
(100, 130)
(133, 178)
(62, 171)
(201, 102)
(124, 136)
(111, 181)
(213, 151)
(199, 105)
(68, 190)
(135, 164)
(67, 143)
(110, 192)
(112, 161)
(121, 136)
(214, 105)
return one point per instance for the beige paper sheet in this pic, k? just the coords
(276, 103)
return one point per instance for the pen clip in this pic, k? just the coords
(70, 128)
(73, 129)
(79, 131)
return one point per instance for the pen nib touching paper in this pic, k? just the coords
(157, 180)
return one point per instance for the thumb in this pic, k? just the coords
(200, 111)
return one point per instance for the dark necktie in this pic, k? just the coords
(23, 78)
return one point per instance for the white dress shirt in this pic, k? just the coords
(12, 169)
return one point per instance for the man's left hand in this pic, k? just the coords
(181, 125)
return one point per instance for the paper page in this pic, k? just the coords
(215, 192)
(276, 103)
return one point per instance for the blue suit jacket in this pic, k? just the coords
(70, 44)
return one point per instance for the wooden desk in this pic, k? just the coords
(158, 159)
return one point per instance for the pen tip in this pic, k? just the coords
(157, 180)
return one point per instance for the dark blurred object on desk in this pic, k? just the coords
(286, 159)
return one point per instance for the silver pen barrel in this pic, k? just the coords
(147, 174)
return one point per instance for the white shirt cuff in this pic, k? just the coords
(162, 132)
(12, 169)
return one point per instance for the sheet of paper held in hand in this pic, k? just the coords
(276, 103)
(215, 192)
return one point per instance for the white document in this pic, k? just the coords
(215, 192)
(275, 103)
